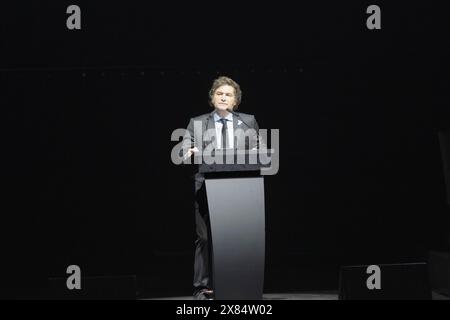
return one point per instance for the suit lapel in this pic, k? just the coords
(235, 121)
(237, 124)
(211, 128)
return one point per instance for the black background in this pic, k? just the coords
(87, 117)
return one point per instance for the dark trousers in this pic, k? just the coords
(202, 259)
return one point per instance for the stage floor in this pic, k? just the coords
(330, 295)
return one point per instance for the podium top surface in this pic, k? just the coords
(229, 160)
(210, 168)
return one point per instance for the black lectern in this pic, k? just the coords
(235, 195)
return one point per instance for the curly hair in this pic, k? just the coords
(222, 81)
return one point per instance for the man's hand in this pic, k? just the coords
(190, 152)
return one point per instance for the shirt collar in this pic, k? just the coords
(229, 117)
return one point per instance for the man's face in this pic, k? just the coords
(224, 98)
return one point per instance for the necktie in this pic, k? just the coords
(224, 133)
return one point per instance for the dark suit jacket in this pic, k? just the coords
(245, 139)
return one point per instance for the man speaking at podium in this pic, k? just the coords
(225, 96)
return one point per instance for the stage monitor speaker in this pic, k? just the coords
(440, 272)
(94, 288)
(409, 281)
